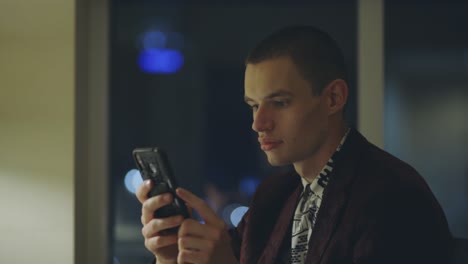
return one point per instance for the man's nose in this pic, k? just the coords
(262, 120)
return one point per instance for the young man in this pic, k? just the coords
(346, 200)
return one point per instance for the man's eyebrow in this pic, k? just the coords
(272, 95)
(278, 93)
(248, 99)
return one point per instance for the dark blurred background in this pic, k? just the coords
(176, 81)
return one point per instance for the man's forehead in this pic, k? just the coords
(271, 68)
(272, 76)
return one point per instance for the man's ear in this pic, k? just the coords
(337, 95)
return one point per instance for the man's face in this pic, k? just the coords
(290, 120)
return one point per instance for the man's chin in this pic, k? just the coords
(277, 161)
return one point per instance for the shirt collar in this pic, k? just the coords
(330, 162)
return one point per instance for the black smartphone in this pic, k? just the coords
(153, 164)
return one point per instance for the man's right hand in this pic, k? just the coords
(164, 247)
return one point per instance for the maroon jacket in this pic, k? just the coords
(375, 209)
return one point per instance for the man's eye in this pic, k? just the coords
(254, 107)
(280, 103)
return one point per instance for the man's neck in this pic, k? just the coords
(310, 168)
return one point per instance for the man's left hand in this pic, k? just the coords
(203, 243)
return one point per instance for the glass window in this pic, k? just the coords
(426, 97)
(177, 83)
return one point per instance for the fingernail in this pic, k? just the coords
(178, 219)
(166, 197)
(148, 183)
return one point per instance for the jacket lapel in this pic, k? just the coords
(335, 197)
(282, 228)
(265, 211)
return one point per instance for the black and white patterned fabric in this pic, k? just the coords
(307, 209)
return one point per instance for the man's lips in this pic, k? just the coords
(269, 144)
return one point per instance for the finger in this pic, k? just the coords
(142, 191)
(153, 244)
(192, 228)
(153, 227)
(192, 256)
(190, 210)
(152, 204)
(201, 206)
(194, 243)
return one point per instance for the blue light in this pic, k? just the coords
(133, 180)
(165, 61)
(237, 214)
(248, 185)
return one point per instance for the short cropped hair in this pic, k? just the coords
(314, 52)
